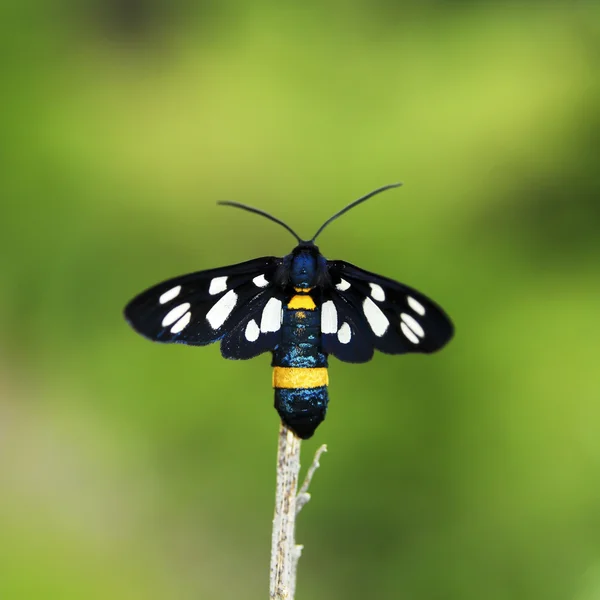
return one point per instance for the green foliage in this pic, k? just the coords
(130, 470)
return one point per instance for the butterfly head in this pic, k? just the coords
(305, 265)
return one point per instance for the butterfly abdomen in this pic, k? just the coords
(300, 367)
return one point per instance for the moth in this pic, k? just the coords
(302, 308)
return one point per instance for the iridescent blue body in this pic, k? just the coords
(299, 360)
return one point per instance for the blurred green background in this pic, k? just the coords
(131, 470)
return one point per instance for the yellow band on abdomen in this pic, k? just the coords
(301, 301)
(296, 378)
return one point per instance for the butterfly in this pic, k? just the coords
(302, 308)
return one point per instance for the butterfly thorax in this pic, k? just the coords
(305, 267)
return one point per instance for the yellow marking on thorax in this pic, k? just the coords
(297, 378)
(301, 301)
(305, 290)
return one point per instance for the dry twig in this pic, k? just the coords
(288, 503)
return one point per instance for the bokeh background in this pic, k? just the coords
(130, 470)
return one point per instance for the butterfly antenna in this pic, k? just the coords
(353, 204)
(262, 213)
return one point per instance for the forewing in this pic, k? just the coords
(381, 313)
(204, 307)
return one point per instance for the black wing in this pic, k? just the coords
(362, 312)
(240, 305)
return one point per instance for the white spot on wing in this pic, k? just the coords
(182, 323)
(377, 320)
(217, 285)
(343, 285)
(329, 319)
(415, 305)
(408, 333)
(220, 312)
(413, 324)
(271, 316)
(260, 281)
(170, 294)
(344, 334)
(377, 292)
(175, 313)
(252, 331)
